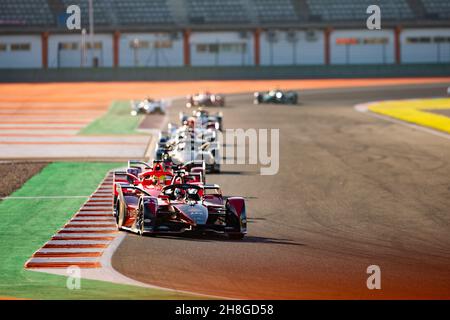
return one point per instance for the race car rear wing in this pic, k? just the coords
(138, 163)
(121, 187)
(123, 176)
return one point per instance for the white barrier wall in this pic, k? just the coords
(65, 50)
(151, 49)
(222, 48)
(17, 51)
(362, 46)
(292, 47)
(425, 45)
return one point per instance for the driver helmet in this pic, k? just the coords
(191, 123)
(179, 193)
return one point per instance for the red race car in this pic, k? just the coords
(159, 174)
(205, 99)
(179, 208)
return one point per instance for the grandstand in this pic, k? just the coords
(113, 14)
(141, 12)
(216, 11)
(275, 11)
(351, 10)
(437, 9)
(175, 33)
(103, 14)
(17, 13)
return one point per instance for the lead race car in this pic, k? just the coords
(276, 96)
(180, 208)
(153, 178)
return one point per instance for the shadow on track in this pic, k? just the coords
(222, 238)
(232, 173)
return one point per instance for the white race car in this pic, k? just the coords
(183, 144)
(148, 106)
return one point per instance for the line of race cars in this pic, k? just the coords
(207, 99)
(170, 195)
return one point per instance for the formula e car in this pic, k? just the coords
(138, 173)
(205, 99)
(148, 106)
(153, 177)
(180, 208)
(201, 118)
(187, 148)
(276, 96)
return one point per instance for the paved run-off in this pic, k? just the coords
(417, 111)
(28, 223)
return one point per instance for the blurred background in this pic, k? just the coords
(300, 36)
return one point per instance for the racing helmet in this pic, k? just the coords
(179, 193)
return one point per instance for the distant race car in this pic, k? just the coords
(448, 91)
(205, 99)
(180, 208)
(276, 96)
(203, 119)
(148, 106)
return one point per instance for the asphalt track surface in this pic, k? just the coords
(352, 191)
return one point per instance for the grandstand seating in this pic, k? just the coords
(275, 10)
(142, 12)
(121, 13)
(25, 12)
(102, 12)
(348, 10)
(216, 11)
(437, 8)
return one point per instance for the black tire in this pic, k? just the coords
(141, 220)
(236, 236)
(120, 215)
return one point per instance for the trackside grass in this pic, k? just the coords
(116, 121)
(416, 111)
(26, 224)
